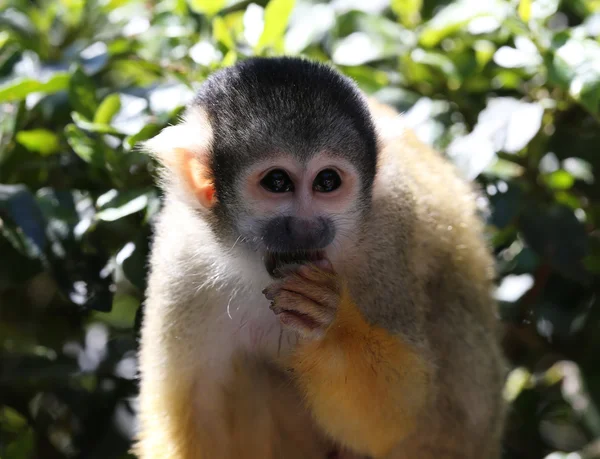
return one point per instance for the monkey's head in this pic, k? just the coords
(279, 155)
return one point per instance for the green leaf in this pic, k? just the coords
(86, 125)
(11, 420)
(484, 52)
(408, 11)
(107, 109)
(576, 67)
(85, 147)
(560, 180)
(554, 232)
(543, 9)
(122, 205)
(18, 203)
(277, 15)
(518, 380)
(20, 88)
(525, 10)
(41, 141)
(23, 446)
(221, 33)
(458, 15)
(147, 132)
(207, 7)
(122, 313)
(439, 62)
(82, 94)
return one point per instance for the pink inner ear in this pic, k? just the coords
(197, 176)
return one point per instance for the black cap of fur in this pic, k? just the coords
(265, 106)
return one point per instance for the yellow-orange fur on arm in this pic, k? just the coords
(365, 386)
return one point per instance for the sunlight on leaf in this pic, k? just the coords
(107, 109)
(221, 33)
(457, 15)
(524, 10)
(276, 17)
(408, 11)
(356, 49)
(207, 7)
(20, 88)
(131, 207)
(577, 66)
(82, 94)
(41, 141)
(518, 380)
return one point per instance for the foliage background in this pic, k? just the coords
(510, 90)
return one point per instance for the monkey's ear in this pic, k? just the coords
(184, 151)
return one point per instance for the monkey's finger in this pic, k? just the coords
(314, 273)
(297, 311)
(318, 294)
(321, 294)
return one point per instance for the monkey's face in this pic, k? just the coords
(279, 157)
(296, 211)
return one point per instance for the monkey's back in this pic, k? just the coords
(437, 286)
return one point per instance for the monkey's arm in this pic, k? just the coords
(364, 385)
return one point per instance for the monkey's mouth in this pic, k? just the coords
(275, 262)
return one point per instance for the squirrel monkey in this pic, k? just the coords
(319, 285)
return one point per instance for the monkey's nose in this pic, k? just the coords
(310, 234)
(290, 234)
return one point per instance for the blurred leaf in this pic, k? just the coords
(82, 94)
(39, 140)
(484, 51)
(457, 15)
(86, 148)
(506, 124)
(579, 169)
(108, 109)
(11, 420)
(310, 23)
(221, 33)
(440, 63)
(523, 55)
(369, 78)
(543, 9)
(18, 202)
(560, 180)
(356, 49)
(147, 132)
(84, 124)
(576, 66)
(518, 380)
(23, 446)
(122, 313)
(525, 10)
(506, 206)
(276, 17)
(555, 233)
(20, 88)
(133, 259)
(122, 205)
(207, 7)
(408, 11)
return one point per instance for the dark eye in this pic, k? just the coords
(327, 181)
(277, 181)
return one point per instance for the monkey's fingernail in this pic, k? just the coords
(269, 294)
(324, 264)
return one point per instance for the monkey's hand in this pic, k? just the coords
(306, 300)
